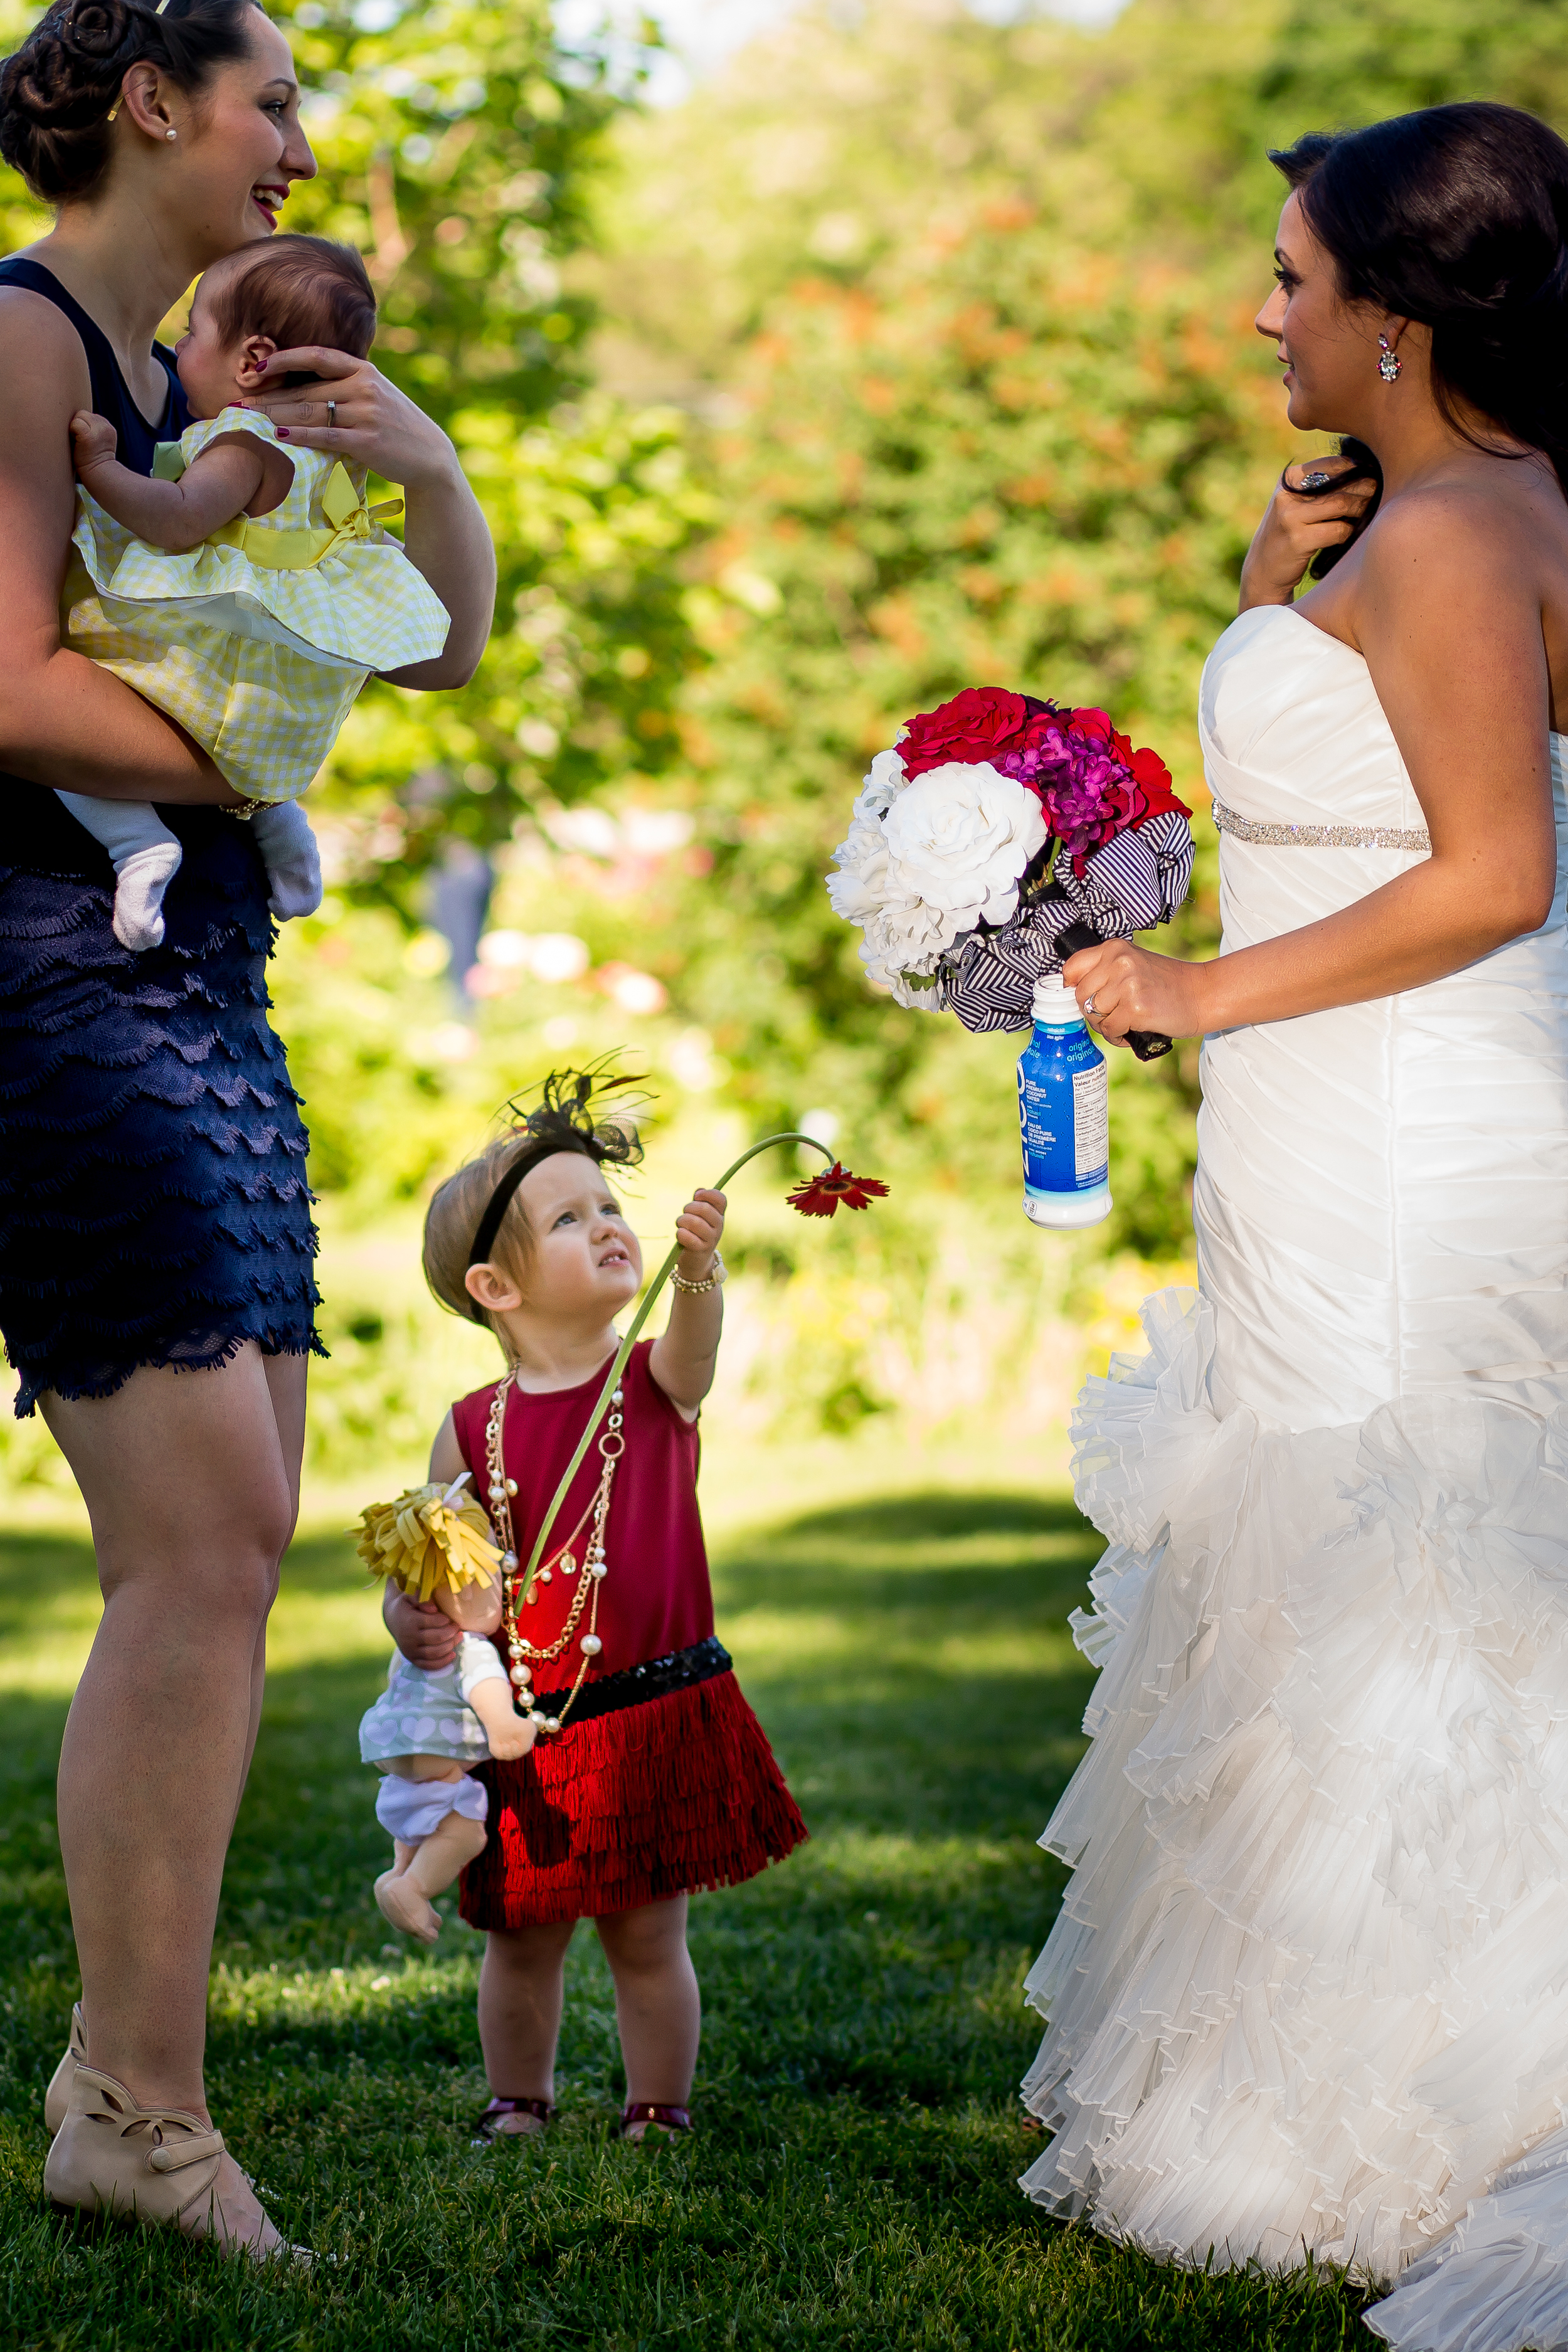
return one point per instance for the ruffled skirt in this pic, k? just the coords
(153, 1207)
(675, 1794)
(1309, 1989)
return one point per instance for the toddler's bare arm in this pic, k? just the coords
(220, 484)
(683, 1359)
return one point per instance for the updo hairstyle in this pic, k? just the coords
(588, 1111)
(58, 90)
(1456, 217)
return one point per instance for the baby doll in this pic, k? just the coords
(430, 1727)
(244, 589)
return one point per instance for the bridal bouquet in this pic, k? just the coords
(1000, 836)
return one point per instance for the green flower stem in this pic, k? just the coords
(612, 1377)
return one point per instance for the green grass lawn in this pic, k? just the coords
(852, 2181)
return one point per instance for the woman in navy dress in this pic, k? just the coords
(156, 1295)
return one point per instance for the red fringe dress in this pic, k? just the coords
(661, 1780)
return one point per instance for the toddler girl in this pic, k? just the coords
(244, 589)
(430, 1727)
(650, 1777)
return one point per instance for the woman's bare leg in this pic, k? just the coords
(658, 2008)
(191, 1500)
(521, 1991)
(286, 1377)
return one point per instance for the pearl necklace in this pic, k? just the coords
(595, 1567)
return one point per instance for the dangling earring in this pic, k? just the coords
(1388, 364)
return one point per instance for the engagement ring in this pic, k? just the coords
(332, 415)
(1089, 1005)
(1316, 480)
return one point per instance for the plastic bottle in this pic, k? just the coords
(1064, 1113)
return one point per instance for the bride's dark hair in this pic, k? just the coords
(1457, 216)
(57, 91)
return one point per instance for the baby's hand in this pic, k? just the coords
(509, 1740)
(93, 439)
(699, 1229)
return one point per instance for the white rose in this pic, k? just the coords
(884, 783)
(861, 883)
(907, 936)
(959, 838)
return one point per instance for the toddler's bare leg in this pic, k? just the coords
(658, 2008)
(404, 1893)
(521, 1990)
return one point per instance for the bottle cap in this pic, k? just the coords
(1055, 1000)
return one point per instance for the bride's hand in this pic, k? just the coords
(1294, 529)
(355, 413)
(1120, 987)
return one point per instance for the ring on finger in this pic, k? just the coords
(1089, 1005)
(332, 415)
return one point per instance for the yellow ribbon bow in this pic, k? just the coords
(301, 551)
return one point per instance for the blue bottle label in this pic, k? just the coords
(1064, 1112)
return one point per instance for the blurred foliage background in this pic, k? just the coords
(913, 350)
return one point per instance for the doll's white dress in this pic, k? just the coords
(258, 640)
(1309, 1989)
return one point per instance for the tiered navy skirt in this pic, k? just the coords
(153, 1208)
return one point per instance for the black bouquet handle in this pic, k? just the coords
(1147, 1043)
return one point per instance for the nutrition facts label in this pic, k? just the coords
(1091, 1122)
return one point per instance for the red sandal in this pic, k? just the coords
(651, 2111)
(488, 2126)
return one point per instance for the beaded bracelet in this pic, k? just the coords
(711, 1282)
(240, 815)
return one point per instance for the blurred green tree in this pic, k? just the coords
(1352, 62)
(459, 144)
(1011, 462)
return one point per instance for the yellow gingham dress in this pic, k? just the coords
(259, 661)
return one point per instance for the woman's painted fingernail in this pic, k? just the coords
(282, 431)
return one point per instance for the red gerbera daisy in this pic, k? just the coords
(820, 1196)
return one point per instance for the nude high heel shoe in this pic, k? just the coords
(57, 2098)
(111, 2155)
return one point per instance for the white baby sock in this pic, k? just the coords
(293, 862)
(146, 857)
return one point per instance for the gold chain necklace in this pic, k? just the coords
(595, 1567)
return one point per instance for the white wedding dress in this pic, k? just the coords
(1308, 1989)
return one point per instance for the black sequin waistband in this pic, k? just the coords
(656, 1679)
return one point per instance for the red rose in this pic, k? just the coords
(1152, 778)
(972, 728)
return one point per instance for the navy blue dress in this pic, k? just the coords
(153, 1208)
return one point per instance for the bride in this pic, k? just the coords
(1308, 1990)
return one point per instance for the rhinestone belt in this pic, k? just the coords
(1323, 836)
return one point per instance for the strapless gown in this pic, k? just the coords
(1309, 1989)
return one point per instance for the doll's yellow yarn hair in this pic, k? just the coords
(431, 1538)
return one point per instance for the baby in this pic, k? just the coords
(429, 1727)
(243, 589)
